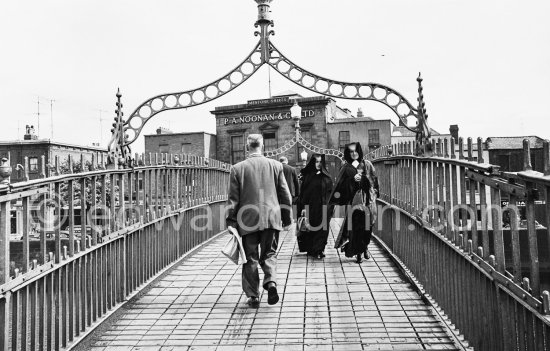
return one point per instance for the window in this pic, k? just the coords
(270, 141)
(164, 148)
(343, 139)
(186, 148)
(533, 162)
(33, 164)
(374, 137)
(306, 134)
(237, 148)
(504, 162)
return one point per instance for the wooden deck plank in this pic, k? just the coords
(329, 304)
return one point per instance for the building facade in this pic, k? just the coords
(323, 124)
(371, 133)
(507, 152)
(41, 155)
(197, 144)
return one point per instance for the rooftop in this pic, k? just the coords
(49, 142)
(358, 119)
(275, 101)
(514, 142)
(180, 133)
(404, 132)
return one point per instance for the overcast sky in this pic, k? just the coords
(485, 64)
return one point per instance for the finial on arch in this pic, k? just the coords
(423, 134)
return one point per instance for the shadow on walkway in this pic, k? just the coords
(329, 304)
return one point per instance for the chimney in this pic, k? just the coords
(453, 129)
(360, 113)
(163, 130)
(30, 133)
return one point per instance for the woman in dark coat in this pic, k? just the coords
(355, 233)
(315, 192)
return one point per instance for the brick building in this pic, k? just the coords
(198, 144)
(41, 154)
(371, 133)
(507, 152)
(323, 123)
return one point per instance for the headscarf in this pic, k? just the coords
(347, 152)
(311, 169)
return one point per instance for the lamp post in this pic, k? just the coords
(296, 114)
(303, 157)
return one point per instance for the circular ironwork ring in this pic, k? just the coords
(319, 150)
(144, 112)
(272, 153)
(343, 90)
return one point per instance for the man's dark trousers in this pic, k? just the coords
(266, 257)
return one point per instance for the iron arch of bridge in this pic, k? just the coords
(125, 132)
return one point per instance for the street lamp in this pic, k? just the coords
(296, 114)
(303, 156)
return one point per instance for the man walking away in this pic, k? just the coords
(258, 203)
(291, 177)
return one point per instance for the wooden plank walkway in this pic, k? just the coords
(329, 304)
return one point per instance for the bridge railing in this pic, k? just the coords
(456, 225)
(74, 245)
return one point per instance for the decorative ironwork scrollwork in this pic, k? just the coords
(126, 132)
(287, 146)
(144, 112)
(319, 150)
(343, 90)
(118, 150)
(306, 145)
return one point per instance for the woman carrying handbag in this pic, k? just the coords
(313, 224)
(353, 190)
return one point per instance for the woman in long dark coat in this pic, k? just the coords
(355, 233)
(315, 192)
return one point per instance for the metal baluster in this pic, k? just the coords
(514, 232)
(497, 229)
(83, 231)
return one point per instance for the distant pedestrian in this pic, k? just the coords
(291, 177)
(313, 199)
(259, 206)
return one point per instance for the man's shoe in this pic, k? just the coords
(359, 259)
(272, 296)
(253, 302)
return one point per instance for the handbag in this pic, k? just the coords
(234, 249)
(359, 204)
(373, 207)
(302, 225)
(302, 230)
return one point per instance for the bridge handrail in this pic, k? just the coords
(134, 222)
(453, 205)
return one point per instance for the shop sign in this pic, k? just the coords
(268, 101)
(265, 117)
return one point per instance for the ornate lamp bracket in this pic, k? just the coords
(264, 22)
